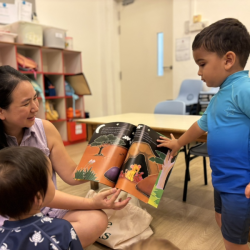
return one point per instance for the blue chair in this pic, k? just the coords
(189, 93)
(197, 150)
(171, 108)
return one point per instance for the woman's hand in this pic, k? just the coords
(103, 201)
(173, 144)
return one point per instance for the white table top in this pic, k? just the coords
(171, 123)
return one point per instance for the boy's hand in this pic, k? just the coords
(247, 191)
(173, 144)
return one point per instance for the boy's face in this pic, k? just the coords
(211, 67)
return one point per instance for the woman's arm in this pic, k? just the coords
(104, 200)
(61, 161)
(65, 168)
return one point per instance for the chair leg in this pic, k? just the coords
(205, 169)
(185, 152)
(186, 178)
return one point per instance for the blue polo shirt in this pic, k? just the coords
(227, 121)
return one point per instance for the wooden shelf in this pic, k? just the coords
(54, 97)
(54, 64)
(59, 120)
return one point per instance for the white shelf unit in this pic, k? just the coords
(54, 64)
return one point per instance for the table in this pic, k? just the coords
(164, 124)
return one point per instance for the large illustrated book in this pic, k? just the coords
(126, 157)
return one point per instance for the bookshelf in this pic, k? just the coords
(55, 64)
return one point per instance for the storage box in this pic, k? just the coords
(28, 33)
(76, 131)
(54, 37)
(7, 37)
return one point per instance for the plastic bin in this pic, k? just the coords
(7, 37)
(76, 131)
(54, 37)
(28, 33)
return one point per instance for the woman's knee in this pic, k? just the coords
(100, 220)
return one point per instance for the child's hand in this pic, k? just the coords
(102, 201)
(247, 191)
(173, 144)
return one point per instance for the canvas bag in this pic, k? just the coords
(125, 226)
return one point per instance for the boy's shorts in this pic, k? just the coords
(235, 216)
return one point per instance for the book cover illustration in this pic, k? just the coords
(146, 168)
(124, 156)
(105, 153)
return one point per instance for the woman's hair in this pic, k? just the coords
(9, 79)
(23, 173)
(153, 244)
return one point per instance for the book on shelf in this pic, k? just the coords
(126, 157)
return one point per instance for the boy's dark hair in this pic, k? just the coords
(23, 173)
(228, 34)
(9, 79)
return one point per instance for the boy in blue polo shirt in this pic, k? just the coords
(221, 52)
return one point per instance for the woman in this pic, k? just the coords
(19, 127)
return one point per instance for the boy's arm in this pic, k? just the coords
(192, 134)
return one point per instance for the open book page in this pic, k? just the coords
(105, 153)
(146, 168)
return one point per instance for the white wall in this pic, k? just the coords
(211, 10)
(93, 25)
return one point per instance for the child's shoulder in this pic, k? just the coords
(46, 220)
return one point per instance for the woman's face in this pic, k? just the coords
(23, 109)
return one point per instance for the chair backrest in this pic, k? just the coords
(189, 91)
(171, 108)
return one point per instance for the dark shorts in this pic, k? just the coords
(235, 216)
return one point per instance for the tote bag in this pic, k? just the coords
(125, 226)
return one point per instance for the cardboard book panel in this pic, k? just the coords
(79, 84)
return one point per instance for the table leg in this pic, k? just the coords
(93, 185)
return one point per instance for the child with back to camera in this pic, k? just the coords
(153, 244)
(25, 186)
(221, 52)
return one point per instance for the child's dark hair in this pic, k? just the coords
(23, 173)
(228, 34)
(9, 79)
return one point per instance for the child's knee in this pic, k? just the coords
(218, 218)
(233, 246)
